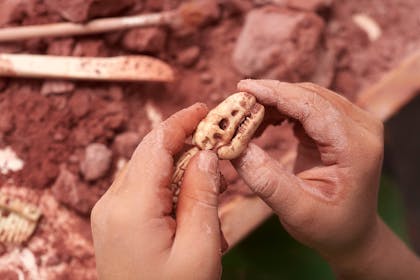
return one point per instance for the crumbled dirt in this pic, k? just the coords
(52, 130)
(81, 10)
(145, 40)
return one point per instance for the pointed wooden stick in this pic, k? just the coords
(189, 15)
(120, 68)
(92, 27)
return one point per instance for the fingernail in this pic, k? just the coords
(243, 83)
(262, 92)
(207, 162)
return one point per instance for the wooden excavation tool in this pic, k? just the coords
(188, 16)
(120, 68)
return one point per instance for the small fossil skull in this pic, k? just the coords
(229, 127)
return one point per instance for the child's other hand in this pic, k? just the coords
(134, 235)
(329, 202)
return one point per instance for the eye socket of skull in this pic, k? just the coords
(224, 123)
(221, 124)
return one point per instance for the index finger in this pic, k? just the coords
(321, 119)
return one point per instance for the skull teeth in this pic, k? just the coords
(227, 129)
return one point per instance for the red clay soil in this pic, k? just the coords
(52, 124)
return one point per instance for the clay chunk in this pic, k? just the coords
(309, 5)
(278, 43)
(82, 10)
(97, 161)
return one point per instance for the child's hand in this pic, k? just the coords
(134, 235)
(329, 202)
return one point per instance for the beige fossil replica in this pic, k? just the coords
(227, 129)
(18, 219)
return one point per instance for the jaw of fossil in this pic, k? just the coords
(229, 127)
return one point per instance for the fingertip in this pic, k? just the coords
(189, 117)
(243, 83)
(208, 162)
(200, 108)
(261, 89)
(252, 156)
(201, 184)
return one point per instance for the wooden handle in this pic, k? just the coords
(121, 68)
(394, 90)
(94, 26)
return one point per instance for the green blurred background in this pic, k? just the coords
(270, 253)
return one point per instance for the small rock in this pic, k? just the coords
(202, 65)
(76, 195)
(189, 56)
(206, 77)
(114, 116)
(82, 10)
(286, 51)
(6, 121)
(115, 93)
(3, 84)
(58, 102)
(96, 162)
(9, 274)
(9, 161)
(232, 7)
(57, 87)
(61, 46)
(90, 48)
(73, 159)
(309, 5)
(126, 143)
(80, 103)
(149, 39)
(305, 5)
(196, 14)
(11, 10)
(59, 137)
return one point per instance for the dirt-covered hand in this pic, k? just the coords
(329, 201)
(135, 236)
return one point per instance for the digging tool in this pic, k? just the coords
(187, 16)
(120, 68)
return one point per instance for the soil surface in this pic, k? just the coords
(73, 136)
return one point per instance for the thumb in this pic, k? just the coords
(198, 226)
(279, 188)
